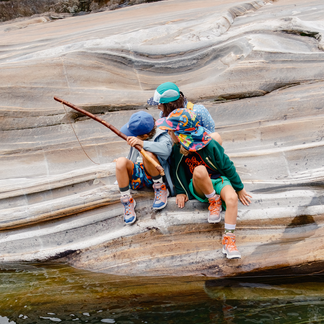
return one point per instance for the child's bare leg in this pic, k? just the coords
(160, 190)
(217, 138)
(229, 195)
(124, 171)
(201, 181)
(149, 167)
(204, 187)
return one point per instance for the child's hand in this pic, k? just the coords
(243, 196)
(181, 200)
(132, 141)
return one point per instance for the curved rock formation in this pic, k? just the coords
(258, 68)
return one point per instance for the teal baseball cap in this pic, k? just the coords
(164, 93)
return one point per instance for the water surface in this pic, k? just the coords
(33, 293)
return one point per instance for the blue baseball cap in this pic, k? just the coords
(140, 123)
(164, 93)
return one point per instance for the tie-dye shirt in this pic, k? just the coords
(203, 115)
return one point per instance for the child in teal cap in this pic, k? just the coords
(168, 97)
(203, 171)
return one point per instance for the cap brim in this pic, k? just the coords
(126, 131)
(152, 102)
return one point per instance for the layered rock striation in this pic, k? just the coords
(258, 68)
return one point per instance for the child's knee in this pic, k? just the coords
(121, 163)
(231, 200)
(152, 156)
(200, 172)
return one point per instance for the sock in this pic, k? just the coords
(229, 228)
(211, 194)
(157, 179)
(125, 191)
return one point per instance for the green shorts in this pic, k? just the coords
(218, 185)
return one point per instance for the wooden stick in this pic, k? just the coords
(115, 130)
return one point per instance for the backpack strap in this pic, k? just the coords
(190, 105)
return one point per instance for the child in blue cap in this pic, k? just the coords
(203, 171)
(136, 172)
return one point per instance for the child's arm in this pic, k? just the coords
(181, 199)
(229, 170)
(244, 197)
(227, 167)
(181, 196)
(162, 148)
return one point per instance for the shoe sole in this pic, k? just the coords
(214, 221)
(231, 257)
(134, 220)
(158, 208)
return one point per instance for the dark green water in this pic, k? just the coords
(57, 293)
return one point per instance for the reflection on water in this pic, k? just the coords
(57, 293)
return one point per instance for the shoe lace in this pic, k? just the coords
(215, 206)
(231, 246)
(127, 207)
(158, 193)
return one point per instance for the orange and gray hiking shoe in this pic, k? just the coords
(229, 247)
(129, 209)
(215, 206)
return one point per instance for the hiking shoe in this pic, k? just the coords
(215, 206)
(229, 247)
(161, 194)
(129, 209)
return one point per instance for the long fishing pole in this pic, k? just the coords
(115, 130)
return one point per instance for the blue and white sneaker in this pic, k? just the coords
(161, 195)
(129, 209)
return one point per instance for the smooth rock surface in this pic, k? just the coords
(258, 68)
